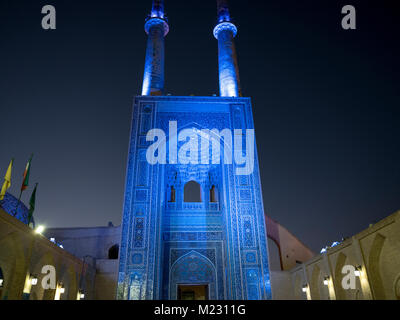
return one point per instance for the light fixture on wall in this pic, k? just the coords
(80, 295)
(357, 271)
(326, 280)
(34, 280)
(59, 291)
(305, 287)
(1, 283)
(334, 244)
(39, 229)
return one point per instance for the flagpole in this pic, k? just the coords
(16, 207)
(32, 201)
(25, 182)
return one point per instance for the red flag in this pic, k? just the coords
(25, 182)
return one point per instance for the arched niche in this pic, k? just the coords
(317, 284)
(113, 252)
(298, 293)
(193, 269)
(340, 262)
(274, 255)
(374, 273)
(213, 194)
(37, 291)
(192, 192)
(14, 268)
(172, 194)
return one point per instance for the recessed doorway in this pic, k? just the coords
(192, 292)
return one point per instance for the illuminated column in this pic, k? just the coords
(156, 27)
(224, 32)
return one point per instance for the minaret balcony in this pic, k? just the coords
(226, 25)
(152, 22)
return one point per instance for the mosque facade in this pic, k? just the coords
(193, 220)
(193, 224)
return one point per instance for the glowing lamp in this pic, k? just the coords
(326, 281)
(39, 229)
(304, 289)
(34, 280)
(1, 283)
(357, 271)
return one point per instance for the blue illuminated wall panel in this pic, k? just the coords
(165, 243)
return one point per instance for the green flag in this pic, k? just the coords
(32, 204)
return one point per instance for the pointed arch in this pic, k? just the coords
(213, 194)
(297, 287)
(193, 268)
(192, 192)
(340, 262)
(172, 194)
(374, 273)
(14, 271)
(39, 292)
(72, 283)
(113, 252)
(315, 283)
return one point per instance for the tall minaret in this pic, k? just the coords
(224, 32)
(156, 27)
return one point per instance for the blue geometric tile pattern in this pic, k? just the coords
(221, 243)
(11, 206)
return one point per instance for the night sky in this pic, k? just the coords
(325, 102)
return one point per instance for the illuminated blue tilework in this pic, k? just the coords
(222, 244)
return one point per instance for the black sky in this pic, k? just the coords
(325, 102)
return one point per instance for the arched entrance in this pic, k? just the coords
(194, 274)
